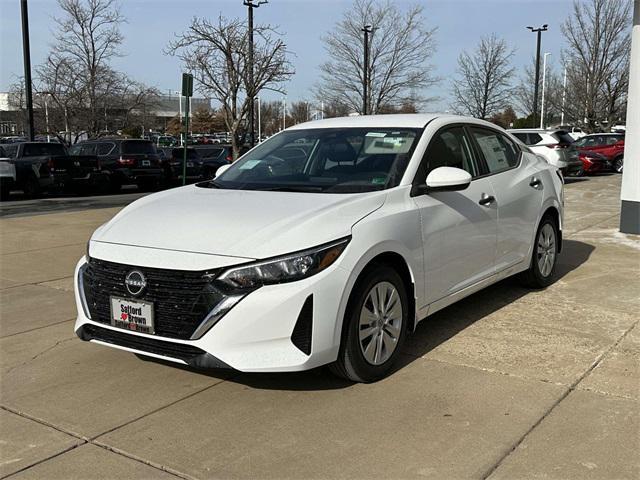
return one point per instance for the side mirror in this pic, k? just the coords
(222, 169)
(447, 179)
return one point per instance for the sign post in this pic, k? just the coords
(187, 92)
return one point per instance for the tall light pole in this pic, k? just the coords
(26, 54)
(46, 114)
(284, 112)
(259, 122)
(535, 91)
(251, 4)
(368, 29)
(544, 85)
(564, 95)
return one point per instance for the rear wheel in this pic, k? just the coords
(545, 255)
(32, 187)
(375, 326)
(618, 164)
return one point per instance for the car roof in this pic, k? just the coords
(533, 130)
(397, 120)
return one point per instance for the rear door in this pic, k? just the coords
(518, 193)
(458, 233)
(141, 154)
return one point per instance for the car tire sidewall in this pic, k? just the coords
(363, 369)
(535, 268)
(618, 164)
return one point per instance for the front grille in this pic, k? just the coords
(181, 299)
(150, 345)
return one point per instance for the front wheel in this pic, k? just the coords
(545, 256)
(375, 326)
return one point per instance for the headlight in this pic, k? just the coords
(288, 268)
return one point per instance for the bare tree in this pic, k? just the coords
(88, 36)
(597, 57)
(400, 49)
(217, 55)
(482, 87)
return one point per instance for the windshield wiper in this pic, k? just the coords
(209, 184)
(292, 188)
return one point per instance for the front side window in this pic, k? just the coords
(450, 148)
(499, 153)
(330, 160)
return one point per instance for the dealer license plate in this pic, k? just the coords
(133, 315)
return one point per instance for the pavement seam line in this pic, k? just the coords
(43, 460)
(45, 248)
(564, 395)
(37, 328)
(149, 463)
(38, 283)
(44, 422)
(106, 432)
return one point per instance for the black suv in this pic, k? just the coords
(126, 161)
(202, 162)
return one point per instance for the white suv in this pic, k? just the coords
(325, 244)
(556, 146)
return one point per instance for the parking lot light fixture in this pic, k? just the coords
(537, 80)
(251, 4)
(544, 85)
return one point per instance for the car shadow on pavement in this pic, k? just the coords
(429, 334)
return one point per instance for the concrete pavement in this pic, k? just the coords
(508, 383)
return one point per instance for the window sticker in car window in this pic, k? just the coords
(376, 134)
(249, 164)
(391, 144)
(493, 152)
(378, 180)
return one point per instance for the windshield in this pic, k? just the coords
(347, 160)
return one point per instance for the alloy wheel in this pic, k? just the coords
(546, 249)
(380, 323)
(618, 165)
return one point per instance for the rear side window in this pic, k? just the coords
(105, 148)
(499, 152)
(83, 149)
(534, 138)
(612, 140)
(562, 137)
(134, 147)
(11, 151)
(522, 137)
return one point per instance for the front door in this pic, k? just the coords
(459, 233)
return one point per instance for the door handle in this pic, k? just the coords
(535, 182)
(486, 200)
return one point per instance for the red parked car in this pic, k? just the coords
(593, 162)
(609, 145)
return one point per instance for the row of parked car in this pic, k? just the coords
(104, 166)
(594, 153)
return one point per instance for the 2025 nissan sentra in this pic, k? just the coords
(325, 244)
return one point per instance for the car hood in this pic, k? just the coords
(238, 223)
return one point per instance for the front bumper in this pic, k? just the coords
(256, 335)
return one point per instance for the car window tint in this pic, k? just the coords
(522, 137)
(498, 151)
(41, 149)
(83, 149)
(104, 148)
(134, 147)
(11, 151)
(612, 140)
(534, 138)
(450, 148)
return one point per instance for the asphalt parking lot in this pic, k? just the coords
(507, 384)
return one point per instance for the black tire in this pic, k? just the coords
(351, 363)
(5, 190)
(618, 164)
(31, 187)
(114, 185)
(534, 277)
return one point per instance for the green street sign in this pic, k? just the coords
(187, 85)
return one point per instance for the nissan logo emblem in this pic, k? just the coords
(135, 282)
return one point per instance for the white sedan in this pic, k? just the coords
(326, 244)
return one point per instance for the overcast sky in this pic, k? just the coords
(152, 23)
